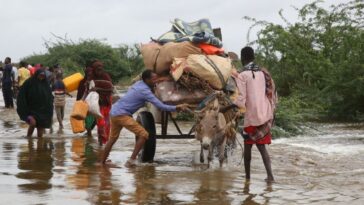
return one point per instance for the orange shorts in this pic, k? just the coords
(118, 122)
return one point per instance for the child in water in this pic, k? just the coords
(59, 91)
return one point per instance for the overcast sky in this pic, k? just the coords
(27, 23)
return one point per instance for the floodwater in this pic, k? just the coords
(323, 167)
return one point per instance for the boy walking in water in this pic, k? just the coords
(59, 91)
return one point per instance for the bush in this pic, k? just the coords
(118, 62)
(317, 61)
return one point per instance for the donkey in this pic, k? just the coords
(215, 129)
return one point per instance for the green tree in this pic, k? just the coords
(319, 59)
(118, 62)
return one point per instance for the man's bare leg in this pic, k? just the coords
(30, 131)
(138, 146)
(247, 159)
(107, 149)
(40, 132)
(267, 163)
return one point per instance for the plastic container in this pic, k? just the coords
(80, 109)
(71, 82)
(78, 126)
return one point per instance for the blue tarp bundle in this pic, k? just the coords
(198, 32)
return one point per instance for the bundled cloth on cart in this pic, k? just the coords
(197, 32)
(189, 89)
(173, 93)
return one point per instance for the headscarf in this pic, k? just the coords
(252, 67)
(34, 69)
(102, 81)
(35, 99)
(82, 86)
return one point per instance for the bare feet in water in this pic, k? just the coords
(130, 163)
(108, 164)
(269, 180)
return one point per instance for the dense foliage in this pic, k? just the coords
(123, 61)
(317, 62)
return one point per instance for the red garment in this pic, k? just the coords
(32, 71)
(267, 139)
(103, 124)
(210, 49)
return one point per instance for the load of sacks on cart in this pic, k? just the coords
(190, 61)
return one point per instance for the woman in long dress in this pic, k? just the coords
(35, 103)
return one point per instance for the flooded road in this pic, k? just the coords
(323, 167)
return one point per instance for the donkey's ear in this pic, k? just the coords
(221, 122)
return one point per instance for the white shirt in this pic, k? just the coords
(15, 73)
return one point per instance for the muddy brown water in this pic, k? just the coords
(322, 167)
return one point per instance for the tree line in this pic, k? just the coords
(120, 62)
(317, 62)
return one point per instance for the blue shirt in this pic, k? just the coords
(59, 87)
(136, 97)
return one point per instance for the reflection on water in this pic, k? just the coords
(35, 164)
(8, 124)
(84, 157)
(250, 197)
(320, 168)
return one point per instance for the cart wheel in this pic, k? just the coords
(146, 119)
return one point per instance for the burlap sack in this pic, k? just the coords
(173, 50)
(159, 58)
(209, 67)
(150, 53)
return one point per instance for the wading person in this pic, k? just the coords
(90, 120)
(23, 73)
(59, 90)
(8, 83)
(35, 103)
(104, 87)
(258, 97)
(121, 114)
(15, 81)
